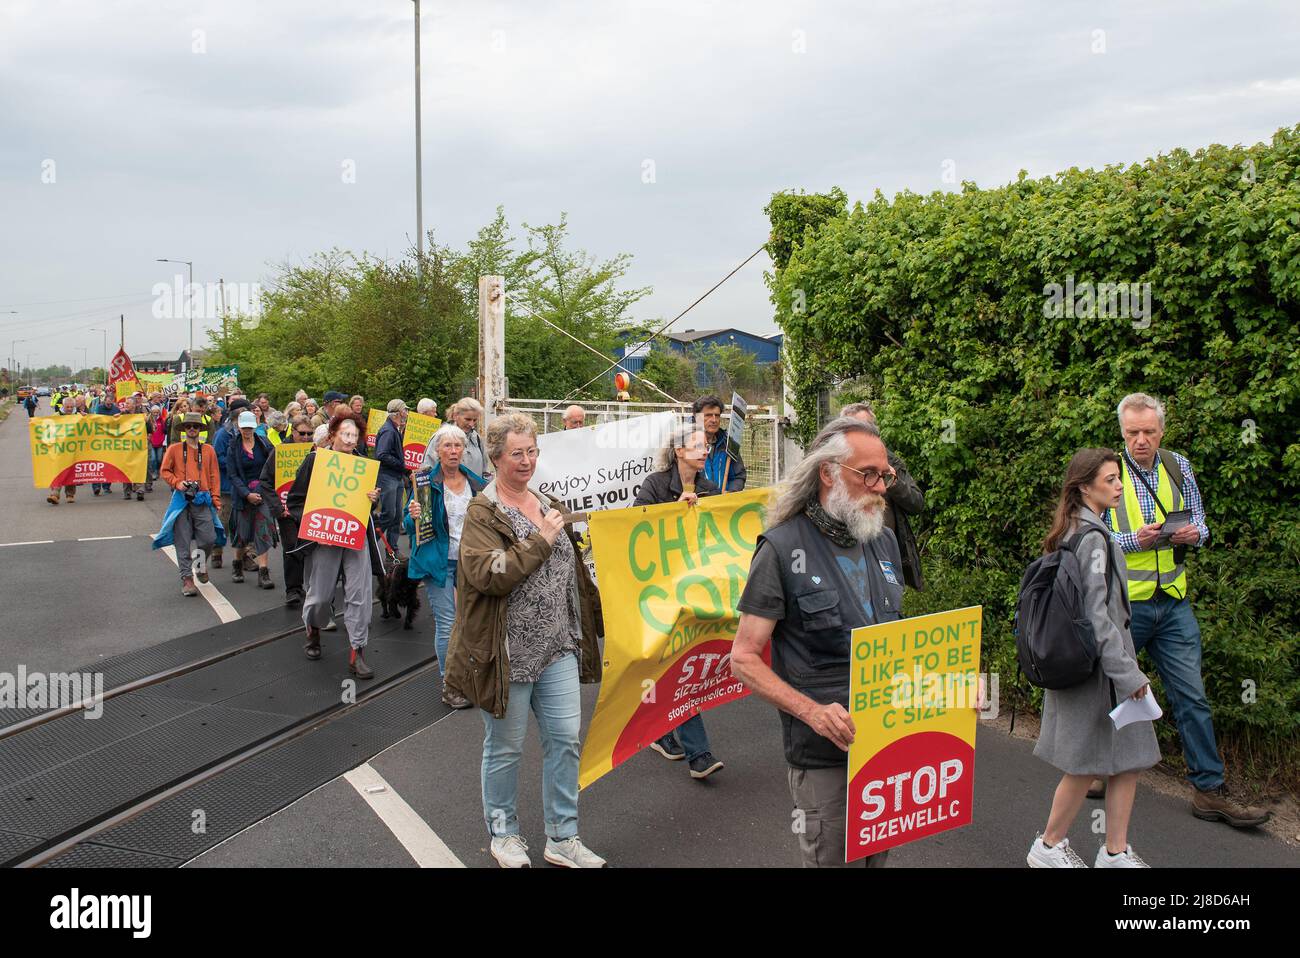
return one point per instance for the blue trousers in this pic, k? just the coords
(692, 737)
(1168, 630)
(442, 603)
(555, 699)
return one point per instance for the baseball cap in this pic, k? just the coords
(247, 420)
(334, 396)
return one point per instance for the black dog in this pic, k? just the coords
(397, 592)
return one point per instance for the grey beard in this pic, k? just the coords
(862, 524)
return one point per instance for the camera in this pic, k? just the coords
(191, 488)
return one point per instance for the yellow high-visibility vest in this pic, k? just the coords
(1155, 566)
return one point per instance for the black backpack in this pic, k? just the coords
(1055, 643)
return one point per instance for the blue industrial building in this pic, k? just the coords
(764, 348)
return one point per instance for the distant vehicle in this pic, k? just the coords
(43, 391)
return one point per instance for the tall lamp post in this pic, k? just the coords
(419, 177)
(189, 300)
(105, 332)
(84, 358)
(29, 367)
(13, 361)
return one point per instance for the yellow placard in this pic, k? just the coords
(670, 577)
(124, 388)
(75, 450)
(374, 422)
(288, 457)
(419, 430)
(913, 689)
(337, 508)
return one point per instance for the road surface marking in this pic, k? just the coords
(101, 538)
(220, 604)
(34, 542)
(407, 826)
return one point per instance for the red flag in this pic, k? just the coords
(120, 368)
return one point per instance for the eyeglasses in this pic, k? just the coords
(304, 434)
(871, 476)
(518, 454)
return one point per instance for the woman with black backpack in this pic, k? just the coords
(1077, 734)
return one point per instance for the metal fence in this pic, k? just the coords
(760, 447)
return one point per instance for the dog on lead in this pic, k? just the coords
(396, 592)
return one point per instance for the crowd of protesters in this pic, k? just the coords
(516, 616)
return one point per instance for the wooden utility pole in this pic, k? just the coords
(491, 346)
(121, 339)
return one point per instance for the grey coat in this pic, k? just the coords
(1077, 735)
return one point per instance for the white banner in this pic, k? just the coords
(601, 467)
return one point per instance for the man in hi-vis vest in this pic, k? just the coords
(1158, 484)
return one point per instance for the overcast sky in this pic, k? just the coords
(222, 130)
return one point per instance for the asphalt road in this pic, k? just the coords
(77, 598)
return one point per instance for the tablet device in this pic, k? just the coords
(1173, 522)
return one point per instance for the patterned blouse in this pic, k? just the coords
(543, 616)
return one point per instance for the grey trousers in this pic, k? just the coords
(193, 528)
(820, 798)
(322, 572)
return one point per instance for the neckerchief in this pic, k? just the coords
(829, 526)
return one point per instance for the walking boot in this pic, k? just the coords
(312, 646)
(1214, 805)
(238, 567)
(139, 495)
(357, 666)
(264, 578)
(216, 558)
(53, 498)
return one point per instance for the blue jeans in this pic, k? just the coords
(1167, 629)
(554, 699)
(390, 509)
(442, 603)
(155, 462)
(692, 737)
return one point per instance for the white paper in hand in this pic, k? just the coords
(1145, 709)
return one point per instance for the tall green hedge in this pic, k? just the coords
(939, 310)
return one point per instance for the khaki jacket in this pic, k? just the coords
(492, 562)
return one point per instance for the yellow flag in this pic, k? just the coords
(337, 509)
(75, 450)
(677, 572)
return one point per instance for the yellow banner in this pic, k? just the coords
(288, 457)
(75, 450)
(374, 422)
(126, 387)
(419, 430)
(337, 510)
(912, 697)
(670, 576)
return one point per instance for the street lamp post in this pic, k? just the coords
(84, 357)
(189, 300)
(419, 172)
(29, 367)
(13, 360)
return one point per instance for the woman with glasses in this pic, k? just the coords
(526, 634)
(300, 430)
(451, 487)
(679, 477)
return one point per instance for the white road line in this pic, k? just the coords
(410, 829)
(101, 538)
(34, 542)
(220, 604)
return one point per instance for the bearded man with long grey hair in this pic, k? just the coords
(825, 566)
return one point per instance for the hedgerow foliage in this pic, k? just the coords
(937, 309)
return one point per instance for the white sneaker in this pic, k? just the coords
(571, 853)
(330, 626)
(1060, 855)
(1125, 859)
(511, 851)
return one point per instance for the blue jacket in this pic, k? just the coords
(388, 450)
(220, 445)
(716, 464)
(430, 560)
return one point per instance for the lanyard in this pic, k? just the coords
(185, 459)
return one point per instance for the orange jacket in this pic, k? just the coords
(175, 460)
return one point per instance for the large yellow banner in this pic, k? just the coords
(670, 577)
(419, 430)
(288, 457)
(337, 510)
(75, 450)
(912, 697)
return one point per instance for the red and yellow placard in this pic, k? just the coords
(912, 697)
(288, 457)
(415, 439)
(670, 576)
(337, 509)
(75, 450)
(374, 422)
